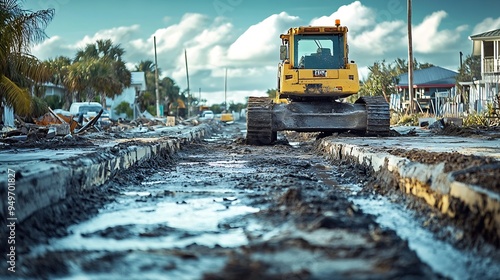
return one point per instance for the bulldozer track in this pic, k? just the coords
(259, 121)
(378, 115)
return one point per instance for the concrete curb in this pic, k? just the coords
(43, 185)
(475, 205)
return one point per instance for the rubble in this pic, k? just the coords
(57, 129)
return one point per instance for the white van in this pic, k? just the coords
(88, 110)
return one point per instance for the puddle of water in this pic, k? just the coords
(228, 238)
(320, 266)
(146, 266)
(200, 214)
(149, 183)
(229, 164)
(137, 193)
(442, 257)
(201, 217)
(190, 163)
(294, 144)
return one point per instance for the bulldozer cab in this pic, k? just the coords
(319, 51)
(315, 64)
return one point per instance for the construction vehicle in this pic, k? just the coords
(226, 117)
(314, 77)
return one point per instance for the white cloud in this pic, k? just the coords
(260, 42)
(56, 46)
(355, 16)
(240, 96)
(427, 38)
(367, 38)
(486, 25)
(52, 48)
(380, 39)
(118, 35)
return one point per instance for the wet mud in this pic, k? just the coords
(220, 209)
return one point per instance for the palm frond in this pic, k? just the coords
(18, 98)
(38, 107)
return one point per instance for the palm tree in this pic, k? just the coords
(170, 91)
(148, 97)
(146, 66)
(60, 69)
(19, 70)
(104, 60)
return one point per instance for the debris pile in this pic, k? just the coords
(59, 127)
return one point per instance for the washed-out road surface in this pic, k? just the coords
(221, 209)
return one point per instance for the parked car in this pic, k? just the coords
(207, 115)
(88, 110)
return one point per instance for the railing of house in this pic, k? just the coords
(491, 65)
(452, 110)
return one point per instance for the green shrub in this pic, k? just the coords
(124, 108)
(53, 101)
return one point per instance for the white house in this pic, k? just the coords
(485, 90)
(52, 89)
(128, 95)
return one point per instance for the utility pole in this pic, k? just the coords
(188, 91)
(156, 83)
(225, 91)
(410, 59)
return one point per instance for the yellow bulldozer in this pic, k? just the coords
(314, 76)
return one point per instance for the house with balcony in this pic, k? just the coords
(484, 91)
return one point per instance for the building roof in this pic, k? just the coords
(493, 34)
(430, 77)
(485, 36)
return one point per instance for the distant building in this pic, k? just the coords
(128, 95)
(52, 89)
(485, 89)
(433, 88)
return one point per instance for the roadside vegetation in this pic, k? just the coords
(19, 70)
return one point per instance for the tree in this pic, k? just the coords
(469, 71)
(60, 69)
(383, 77)
(148, 97)
(272, 93)
(106, 73)
(401, 66)
(124, 108)
(168, 89)
(19, 70)
(146, 66)
(380, 80)
(236, 107)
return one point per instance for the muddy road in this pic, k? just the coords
(220, 209)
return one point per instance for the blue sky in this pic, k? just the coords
(243, 35)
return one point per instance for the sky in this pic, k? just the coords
(242, 36)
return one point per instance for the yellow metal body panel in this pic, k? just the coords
(339, 79)
(226, 117)
(337, 82)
